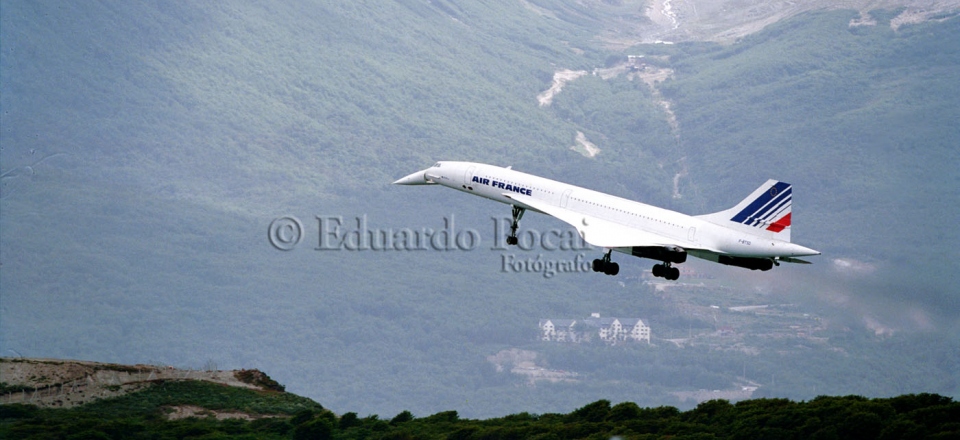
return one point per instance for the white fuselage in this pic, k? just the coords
(697, 236)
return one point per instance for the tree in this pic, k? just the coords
(593, 412)
(403, 417)
(320, 428)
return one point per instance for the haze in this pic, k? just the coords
(146, 149)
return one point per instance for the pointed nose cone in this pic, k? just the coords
(417, 178)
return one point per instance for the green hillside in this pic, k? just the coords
(146, 415)
(222, 411)
(146, 148)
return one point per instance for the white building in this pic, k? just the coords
(561, 330)
(610, 330)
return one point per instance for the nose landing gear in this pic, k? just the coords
(517, 215)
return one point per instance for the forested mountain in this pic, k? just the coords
(147, 147)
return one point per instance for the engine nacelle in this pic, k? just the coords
(670, 255)
(749, 263)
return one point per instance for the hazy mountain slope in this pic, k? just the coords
(229, 96)
(859, 118)
(146, 148)
(185, 129)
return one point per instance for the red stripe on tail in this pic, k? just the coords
(780, 224)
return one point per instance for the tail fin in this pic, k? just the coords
(765, 212)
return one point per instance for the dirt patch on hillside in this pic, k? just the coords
(523, 363)
(651, 75)
(559, 79)
(726, 21)
(740, 392)
(919, 15)
(584, 146)
(185, 411)
(64, 384)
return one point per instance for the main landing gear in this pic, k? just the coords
(667, 271)
(517, 215)
(605, 265)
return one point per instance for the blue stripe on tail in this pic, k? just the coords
(779, 193)
(772, 208)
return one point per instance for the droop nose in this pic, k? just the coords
(417, 178)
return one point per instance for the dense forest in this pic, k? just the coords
(277, 415)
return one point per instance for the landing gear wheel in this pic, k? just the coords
(666, 271)
(612, 269)
(658, 270)
(605, 265)
(672, 274)
(512, 240)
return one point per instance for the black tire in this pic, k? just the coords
(674, 274)
(658, 270)
(512, 241)
(613, 269)
(598, 265)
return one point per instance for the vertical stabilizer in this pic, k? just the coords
(765, 212)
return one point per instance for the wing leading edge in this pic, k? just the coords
(596, 231)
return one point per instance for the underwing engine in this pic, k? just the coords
(749, 263)
(671, 254)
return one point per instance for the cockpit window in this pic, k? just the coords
(436, 165)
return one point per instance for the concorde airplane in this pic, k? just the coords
(754, 234)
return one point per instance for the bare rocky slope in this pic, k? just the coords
(68, 383)
(728, 20)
